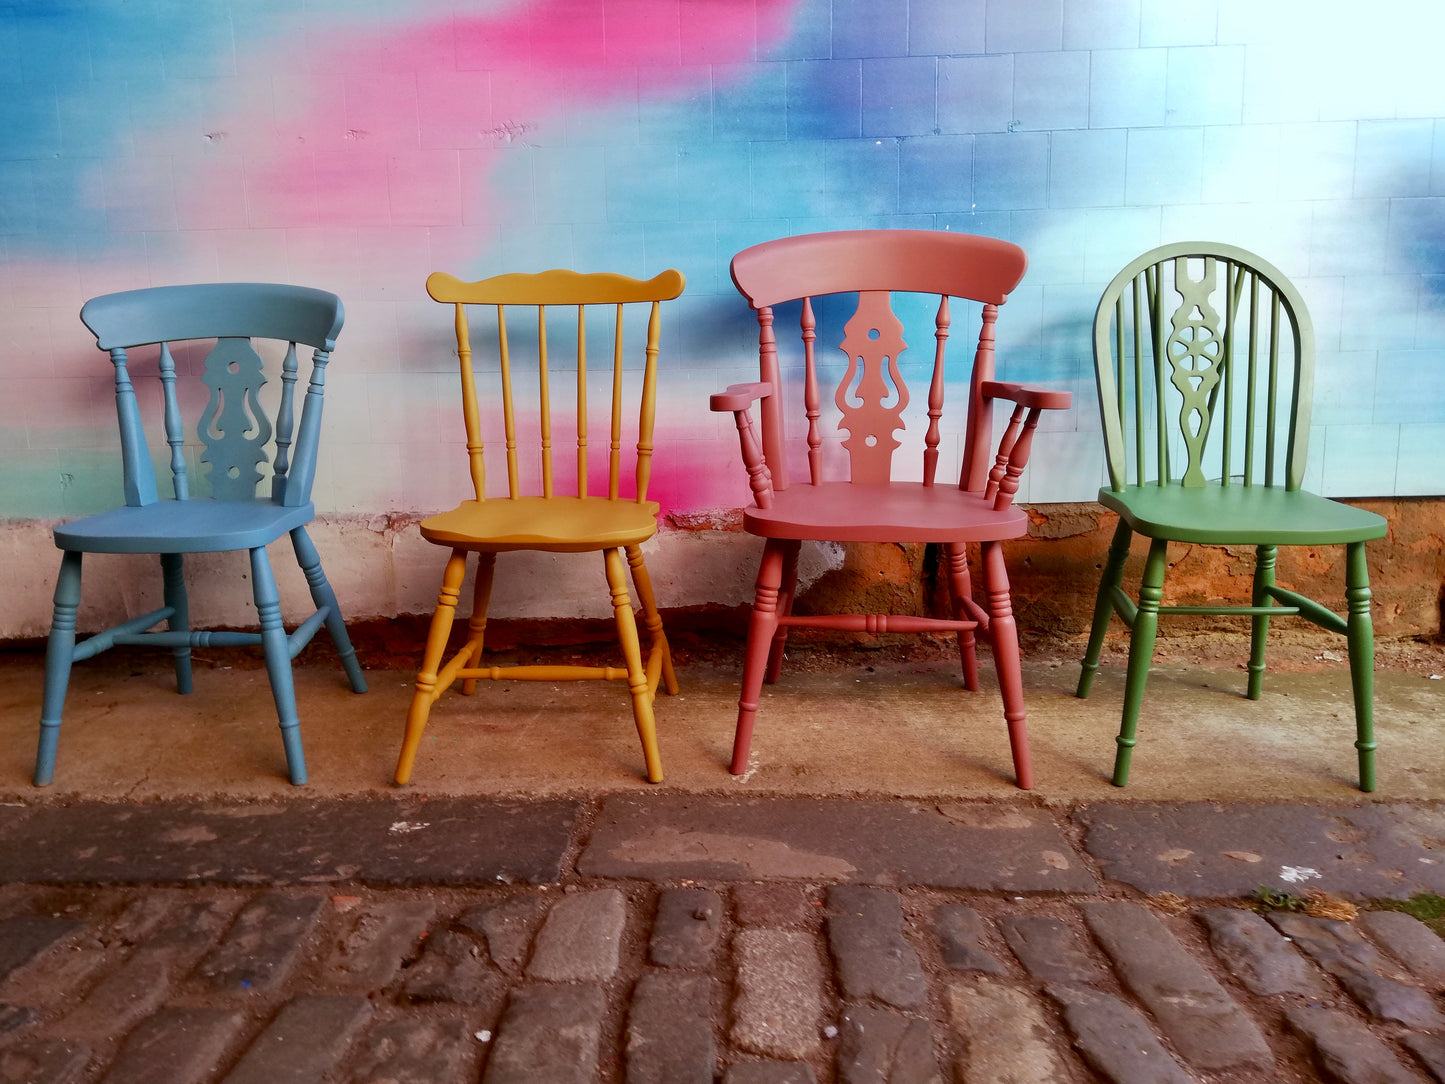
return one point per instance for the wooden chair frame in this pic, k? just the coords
(616, 524)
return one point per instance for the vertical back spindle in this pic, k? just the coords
(935, 392)
(973, 472)
(614, 454)
(545, 401)
(1253, 376)
(470, 419)
(811, 401)
(581, 400)
(1272, 410)
(285, 423)
(308, 437)
(138, 474)
(509, 420)
(648, 412)
(175, 427)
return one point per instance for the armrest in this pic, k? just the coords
(1018, 437)
(737, 399)
(1026, 395)
(739, 396)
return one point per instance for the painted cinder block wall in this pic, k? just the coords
(358, 146)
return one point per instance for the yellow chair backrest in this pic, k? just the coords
(539, 292)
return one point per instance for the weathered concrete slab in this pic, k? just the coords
(1206, 849)
(972, 845)
(436, 841)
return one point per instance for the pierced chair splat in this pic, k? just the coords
(855, 489)
(244, 452)
(1204, 355)
(533, 515)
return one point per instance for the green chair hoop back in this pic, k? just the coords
(1204, 357)
(259, 464)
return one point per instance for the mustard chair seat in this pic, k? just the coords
(555, 524)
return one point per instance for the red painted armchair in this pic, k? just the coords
(855, 489)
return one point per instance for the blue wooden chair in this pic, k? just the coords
(235, 439)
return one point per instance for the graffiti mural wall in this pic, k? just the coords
(357, 145)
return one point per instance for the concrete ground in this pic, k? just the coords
(873, 903)
(849, 721)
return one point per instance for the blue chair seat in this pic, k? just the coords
(194, 526)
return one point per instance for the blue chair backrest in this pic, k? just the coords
(234, 432)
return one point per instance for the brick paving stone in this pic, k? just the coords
(874, 960)
(1258, 955)
(669, 1030)
(774, 903)
(43, 1061)
(770, 1072)
(686, 930)
(550, 1033)
(779, 1001)
(1050, 949)
(1411, 942)
(508, 927)
(176, 1045)
(961, 934)
(188, 928)
(376, 938)
(1006, 1035)
(581, 938)
(1345, 1048)
(15, 1017)
(1380, 850)
(1430, 1050)
(305, 1040)
(262, 943)
(1369, 976)
(124, 996)
(463, 841)
(1204, 1023)
(966, 845)
(1114, 1038)
(878, 1046)
(415, 1050)
(453, 968)
(25, 937)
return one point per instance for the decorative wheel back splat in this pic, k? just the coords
(233, 427)
(872, 339)
(1196, 358)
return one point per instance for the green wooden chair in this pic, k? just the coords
(1204, 356)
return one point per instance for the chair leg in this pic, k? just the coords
(323, 595)
(787, 591)
(477, 623)
(277, 648)
(761, 626)
(1141, 653)
(173, 583)
(59, 654)
(1003, 635)
(653, 620)
(632, 651)
(426, 692)
(960, 587)
(1109, 582)
(1361, 638)
(1264, 564)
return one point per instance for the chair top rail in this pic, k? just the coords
(907, 261)
(219, 310)
(556, 287)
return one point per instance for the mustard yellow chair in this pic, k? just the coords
(614, 522)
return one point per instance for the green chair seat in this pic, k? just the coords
(1241, 516)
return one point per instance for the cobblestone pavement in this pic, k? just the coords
(668, 939)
